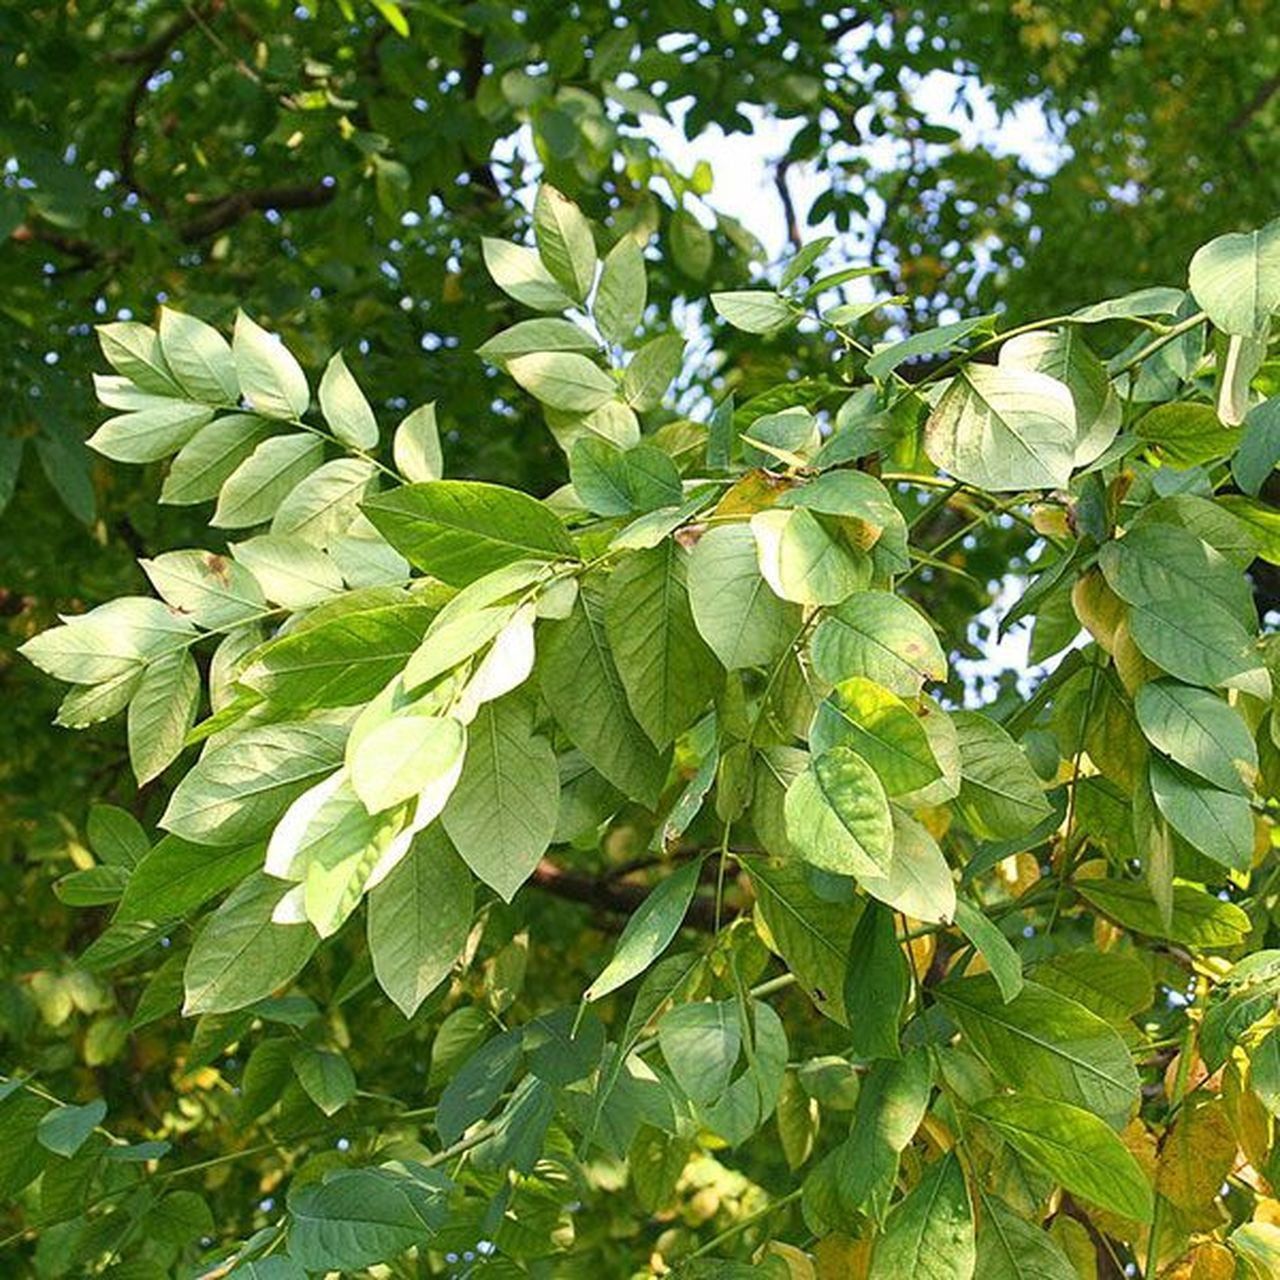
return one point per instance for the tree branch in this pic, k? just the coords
(1266, 91)
(85, 252)
(153, 52)
(224, 211)
(616, 897)
(788, 205)
(149, 57)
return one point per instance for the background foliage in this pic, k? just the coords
(166, 155)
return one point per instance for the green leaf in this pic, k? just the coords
(930, 1233)
(176, 877)
(1159, 562)
(345, 408)
(651, 371)
(1264, 1071)
(1257, 1245)
(743, 621)
(1199, 919)
(1011, 1248)
(891, 1104)
(1075, 1148)
(546, 334)
(808, 558)
(753, 310)
(1000, 794)
(1236, 279)
(271, 379)
(240, 956)
(213, 590)
(928, 343)
(1186, 434)
(90, 704)
(691, 245)
(838, 815)
(326, 1078)
(1199, 731)
(1159, 300)
(649, 931)
(116, 836)
(876, 984)
(134, 350)
(323, 505)
(204, 463)
(518, 271)
(234, 793)
(365, 558)
(405, 755)
(416, 445)
(880, 636)
(564, 380)
(93, 887)
(752, 1096)
(614, 482)
(502, 814)
(1217, 823)
(253, 491)
(358, 1217)
(1259, 449)
(666, 668)
(700, 1043)
(161, 714)
(290, 571)
(1001, 958)
(1207, 648)
(333, 848)
(419, 918)
(1003, 429)
(919, 883)
(149, 434)
(1045, 1044)
(809, 932)
(565, 242)
(64, 1130)
(620, 299)
(582, 687)
(474, 1090)
(199, 358)
(341, 661)
(1116, 985)
(881, 728)
(110, 642)
(1065, 355)
(459, 530)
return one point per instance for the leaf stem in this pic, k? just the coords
(1164, 339)
(741, 1225)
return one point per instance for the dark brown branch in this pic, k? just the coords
(224, 211)
(150, 58)
(1266, 91)
(86, 253)
(153, 52)
(788, 205)
(473, 64)
(616, 897)
(1108, 1264)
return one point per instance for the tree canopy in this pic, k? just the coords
(535, 809)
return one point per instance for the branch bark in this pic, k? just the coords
(224, 211)
(614, 897)
(788, 204)
(1266, 91)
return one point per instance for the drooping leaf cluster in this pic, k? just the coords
(928, 952)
